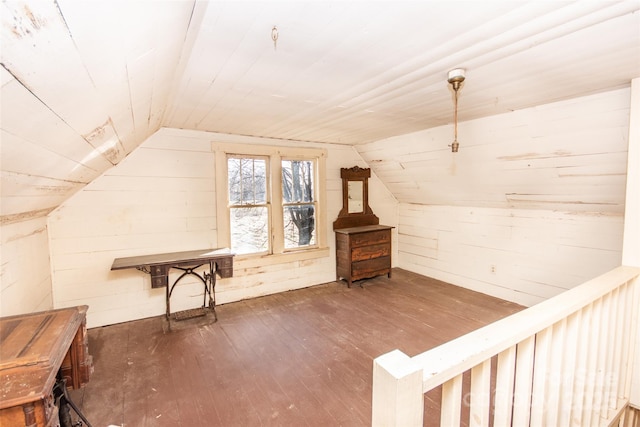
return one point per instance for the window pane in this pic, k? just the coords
(247, 181)
(233, 180)
(297, 181)
(299, 226)
(249, 230)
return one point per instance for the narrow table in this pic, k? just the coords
(216, 262)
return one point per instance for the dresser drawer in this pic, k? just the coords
(368, 252)
(224, 263)
(159, 276)
(371, 238)
(159, 281)
(224, 267)
(158, 270)
(371, 267)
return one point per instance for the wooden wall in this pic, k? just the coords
(631, 246)
(162, 198)
(532, 204)
(520, 255)
(25, 276)
(454, 219)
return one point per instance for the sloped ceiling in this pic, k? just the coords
(85, 82)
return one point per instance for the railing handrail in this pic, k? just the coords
(453, 358)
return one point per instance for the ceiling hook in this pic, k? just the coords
(274, 36)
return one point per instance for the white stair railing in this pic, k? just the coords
(566, 361)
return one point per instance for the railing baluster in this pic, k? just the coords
(451, 402)
(609, 398)
(558, 351)
(540, 375)
(505, 382)
(592, 363)
(480, 394)
(524, 382)
(570, 367)
(634, 324)
(582, 361)
(622, 345)
(601, 366)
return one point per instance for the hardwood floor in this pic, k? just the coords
(299, 358)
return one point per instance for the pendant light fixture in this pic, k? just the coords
(455, 79)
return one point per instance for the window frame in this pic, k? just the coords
(313, 202)
(267, 204)
(275, 155)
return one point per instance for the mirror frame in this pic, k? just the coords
(355, 219)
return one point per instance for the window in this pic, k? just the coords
(248, 204)
(298, 203)
(274, 197)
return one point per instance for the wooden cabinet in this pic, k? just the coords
(363, 252)
(35, 348)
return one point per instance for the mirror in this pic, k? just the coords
(355, 199)
(354, 189)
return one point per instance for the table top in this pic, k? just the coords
(203, 255)
(363, 229)
(33, 348)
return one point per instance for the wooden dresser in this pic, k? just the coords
(363, 252)
(34, 349)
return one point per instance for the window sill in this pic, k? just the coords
(250, 261)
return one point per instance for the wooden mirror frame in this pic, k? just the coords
(355, 219)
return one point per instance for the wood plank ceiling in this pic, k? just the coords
(84, 83)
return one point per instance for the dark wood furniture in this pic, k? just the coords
(36, 348)
(217, 261)
(363, 247)
(363, 252)
(355, 199)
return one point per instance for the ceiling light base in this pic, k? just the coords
(456, 77)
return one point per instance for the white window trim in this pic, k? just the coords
(275, 154)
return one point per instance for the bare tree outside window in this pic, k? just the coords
(298, 203)
(248, 202)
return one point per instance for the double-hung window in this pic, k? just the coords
(298, 203)
(274, 199)
(247, 179)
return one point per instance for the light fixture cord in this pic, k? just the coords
(455, 116)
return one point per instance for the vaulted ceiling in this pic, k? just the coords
(85, 82)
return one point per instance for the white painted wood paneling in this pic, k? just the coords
(28, 56)
(631, 245)
(159, 199)
(162, 198)
(25, 274)
(525, 256)
(565, 156)
(83, 83)
(532, 204)
(355, 72)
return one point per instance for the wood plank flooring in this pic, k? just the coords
(299, 358)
